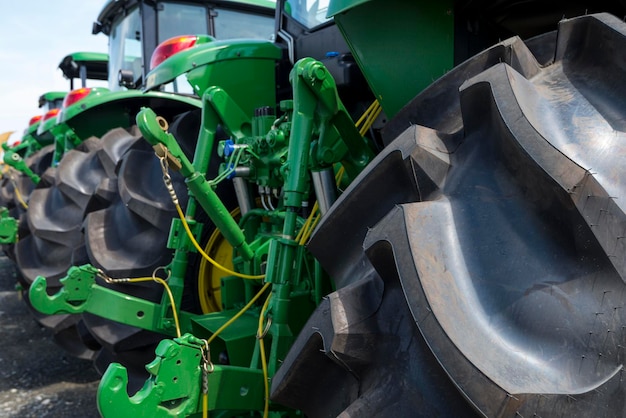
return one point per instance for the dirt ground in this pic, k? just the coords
(37, 378)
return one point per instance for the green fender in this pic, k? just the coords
(44, 131)
(243, 68)
(98, 113)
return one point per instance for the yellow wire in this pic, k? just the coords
(205, 255)
(308, 233)
(313, 219)
(370, 119)
(19, 195)
(169, 294)
(307, 222)
(305, 232)
(266, 384)
(241, 312)
(205, 397)
(367, 112)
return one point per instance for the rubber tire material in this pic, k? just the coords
(487, 275)
(55, 241)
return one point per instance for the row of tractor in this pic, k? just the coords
(323, 208)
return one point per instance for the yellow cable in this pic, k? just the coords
(308, 233)
(241, 312)
(366, 113)
(370, 120)
(19, 195)
(205, 399)
(307, 222)
(169, 294)
(205, 255)
(266, 383)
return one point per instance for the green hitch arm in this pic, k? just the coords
(80, 293)
(175, 385)
(312, 81)
(152, 128)
(8, 227)
(173, 389)
(72, 297)
(13, 159)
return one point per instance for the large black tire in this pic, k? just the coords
(16, 188)
(128, 238)
(79, 184)
(487, 275)
(55, 240)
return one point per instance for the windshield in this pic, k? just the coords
(125, 48)
(51, 104)
(228, 24)
(231, 24)
(310, 13)
(176, 19)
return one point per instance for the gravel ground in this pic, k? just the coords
(37, 378)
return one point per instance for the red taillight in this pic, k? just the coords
(75, 96)
(170, 47)
(50, 114)
(34, 120)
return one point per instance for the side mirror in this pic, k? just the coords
(125, 78)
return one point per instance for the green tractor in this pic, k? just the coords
(458, 254)
(18, 178)
(30, 156)
(94, 132)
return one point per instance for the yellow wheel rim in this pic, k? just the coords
(209, 277)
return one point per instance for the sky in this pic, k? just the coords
(34, 37)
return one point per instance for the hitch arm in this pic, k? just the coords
(13, 159)
(152, 128)
(8, 227)
(179, 374)
(80, 293)
(173, 389)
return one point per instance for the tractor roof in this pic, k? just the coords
(114, 8)
(96, 64)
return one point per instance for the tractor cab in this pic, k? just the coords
(85, 66)
(135, 28)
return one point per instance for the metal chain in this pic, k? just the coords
(207, 367)
(265, 330)
(110, 280)
(167, 179)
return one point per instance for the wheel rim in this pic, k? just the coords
(209, 276)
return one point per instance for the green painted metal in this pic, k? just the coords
(196, 181)
(412, 52)
(44, 130)
(80, 293)
(171, 390)
(30, 133)
(232, 65)
(102, 110)
(8, 227)
(13, 159)
(95, 64)
(234, 79)
(315, 109)
(341, 6)
(50, 97)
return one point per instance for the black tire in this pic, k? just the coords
(15, 190)
(492, 279)
(128, 239)
(55, 240)
(58, 207)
